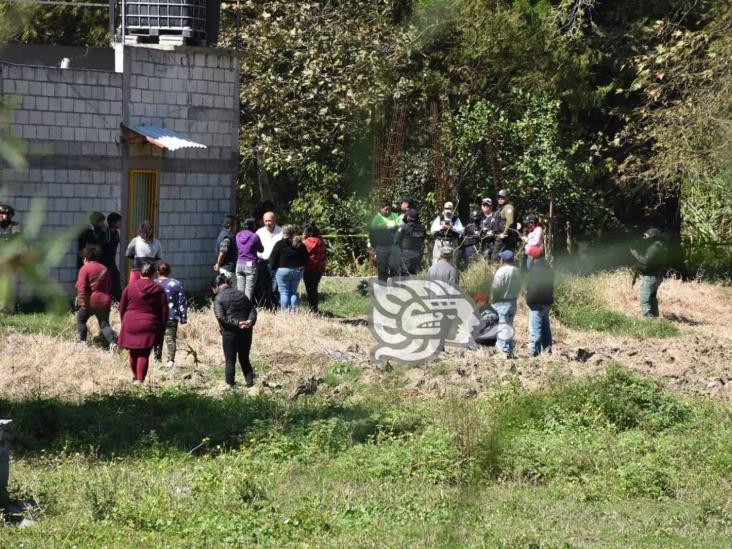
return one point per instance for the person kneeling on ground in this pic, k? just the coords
(143, 309)
(93, 288)
(539, 298)
(443, 269)
(236, 316)
(504, 293)
(177, 311)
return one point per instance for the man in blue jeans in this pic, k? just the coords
(539, 298)
(504, 293)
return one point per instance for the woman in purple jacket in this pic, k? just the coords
(248, 244)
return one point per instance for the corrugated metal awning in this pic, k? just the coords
(163, 137)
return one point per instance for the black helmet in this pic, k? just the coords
(476, 216)
(531, 218)
(652, 233)
(7, 209)
(503, 193)
(411, 212)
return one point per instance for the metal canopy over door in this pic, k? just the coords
(143, 195)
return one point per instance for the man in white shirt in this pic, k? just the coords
(269, 234)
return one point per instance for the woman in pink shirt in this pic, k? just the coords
(534, 238)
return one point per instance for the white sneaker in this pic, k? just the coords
(171, 364)
(113, 347)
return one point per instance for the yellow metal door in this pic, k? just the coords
(143, 206)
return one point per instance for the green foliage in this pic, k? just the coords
(58, 324)
(343, 300)
(59, 25)
(178, 468)
(578, 305)
(32, 256)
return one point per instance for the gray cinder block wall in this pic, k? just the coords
(71, 119)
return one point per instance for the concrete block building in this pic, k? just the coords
(150, 132)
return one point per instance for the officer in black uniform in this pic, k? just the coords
(410, 237)
(504, 226)
(472, 241)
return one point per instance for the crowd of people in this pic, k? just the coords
(264, 266)
(253, 267)
(493, 235)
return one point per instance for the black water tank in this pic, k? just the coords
(196, 19)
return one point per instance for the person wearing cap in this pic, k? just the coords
(410, 238)
(446, 230)
(247, 246)
(534, 237)
(443, 269)
(504, 293)
(8, 227)
(95, 234)
(651, 265)
(382, 237)
(226, 254)
(539, 299)
(504, 225)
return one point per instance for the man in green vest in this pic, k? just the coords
(651, 266)
(382, 236)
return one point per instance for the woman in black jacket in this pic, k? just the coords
(236, 316)
(287, 260)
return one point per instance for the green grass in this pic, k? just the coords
(611, 461)
(578, 306)
(39, 323)
(342, 299)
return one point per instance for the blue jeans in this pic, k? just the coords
(540, 331)
(246, 278)
(506, 312)
(287, 282)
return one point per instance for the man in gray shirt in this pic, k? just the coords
(504, 293)
(442, 269)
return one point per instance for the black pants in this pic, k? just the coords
(82, 317)
(237, 344)
(312, 280)
(116, 283)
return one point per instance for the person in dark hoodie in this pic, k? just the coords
(236, 316)
(109, 253)
(94, 234)
(143, 309)
(247, 245)
(539, 298)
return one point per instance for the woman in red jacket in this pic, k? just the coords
(93, 288)
(143, 309)
(315, 266)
